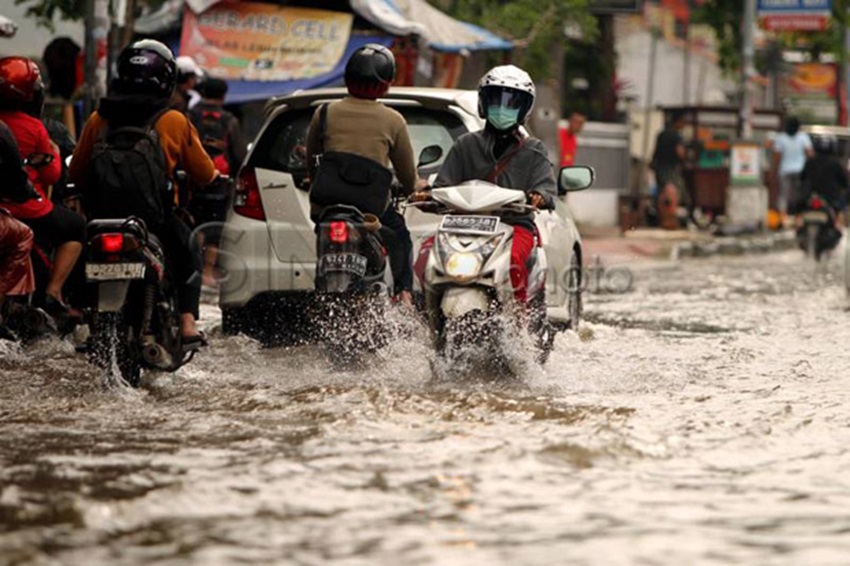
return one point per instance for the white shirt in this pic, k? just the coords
(793, 150)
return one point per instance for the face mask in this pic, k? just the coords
(502, 118)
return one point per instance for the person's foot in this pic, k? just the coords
(62, 313)
(405, 299)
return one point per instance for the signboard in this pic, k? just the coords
(265, 42)
(744, 164)
(615, 6)
(809, 91)
(794, 15)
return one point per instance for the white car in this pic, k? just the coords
(268, 244)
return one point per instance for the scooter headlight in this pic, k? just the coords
(463, 265)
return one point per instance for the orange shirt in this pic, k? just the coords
(179, 141)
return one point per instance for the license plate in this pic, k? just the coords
(350, 263)
(815, 216)
(470, 224)
(111, 271)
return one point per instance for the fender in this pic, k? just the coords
(458, 301)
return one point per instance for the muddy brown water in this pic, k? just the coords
(702, 419)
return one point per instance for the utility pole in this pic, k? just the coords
(95, 64)
(745, 120)
(686, 74)
(843, 93)
(647, 113)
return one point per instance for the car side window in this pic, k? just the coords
(283, 146)
(432, 127)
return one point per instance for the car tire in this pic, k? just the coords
(273, 319)
(574, 292)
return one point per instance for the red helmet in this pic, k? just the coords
(20, 80)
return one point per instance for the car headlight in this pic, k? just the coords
(463, 265)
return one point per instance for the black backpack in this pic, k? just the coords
(211, 124)
(128, 175)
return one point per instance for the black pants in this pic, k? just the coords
(52, 230)
(183, 261)
(396, 237)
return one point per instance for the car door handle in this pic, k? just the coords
(276, 186)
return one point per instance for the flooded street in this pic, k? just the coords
(703, 418)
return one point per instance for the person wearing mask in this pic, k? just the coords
(360, 125)
(16, 238)
(189, 73)
(568, 138)
(140, 95)
(505, 154)
(220, 133)
(54, 226)
(791, 149)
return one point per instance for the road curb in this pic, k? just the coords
(735, 245)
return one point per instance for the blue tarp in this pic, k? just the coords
(248, 91)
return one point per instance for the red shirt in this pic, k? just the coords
(32, 137)
(569, 144)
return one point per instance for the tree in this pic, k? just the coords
(537, 26)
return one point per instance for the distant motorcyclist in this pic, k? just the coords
(505, 154)
(140, 94)
(54, 226)
(826, 175)
(16, 238)
(360, 125)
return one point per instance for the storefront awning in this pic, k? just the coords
(396, 17)
(251, 91)
(8, 28)
(441, 31)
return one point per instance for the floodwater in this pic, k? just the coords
(703, 418)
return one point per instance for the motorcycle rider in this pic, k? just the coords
(61, 229)
(825, 175)
(144, 84)
(16, 238)
(360, 125)
(505, 154)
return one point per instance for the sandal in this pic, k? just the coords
(195, 342)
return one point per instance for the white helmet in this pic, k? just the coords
(186, 67)
(506, 85)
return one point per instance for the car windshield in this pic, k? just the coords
(282, 147)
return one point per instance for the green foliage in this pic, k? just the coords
(725, 16)
(535, 25)
(45, 11)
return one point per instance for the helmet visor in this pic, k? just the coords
(504, 97)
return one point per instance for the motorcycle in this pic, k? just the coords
(817, 233)
(466, 276)
(134, 318)
(354, 278)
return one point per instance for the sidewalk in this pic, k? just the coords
(644, 244)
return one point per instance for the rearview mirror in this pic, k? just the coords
(575, 178)
(429, 155)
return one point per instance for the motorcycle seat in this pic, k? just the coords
(341, 212)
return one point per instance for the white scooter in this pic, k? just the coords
(466, 277)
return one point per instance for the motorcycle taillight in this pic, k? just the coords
(816, 203)
(338, 232)
(112, 243)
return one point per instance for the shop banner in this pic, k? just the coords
(265, 42)
(794, 15)
(809, 92)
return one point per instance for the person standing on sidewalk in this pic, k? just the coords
(568, 138)
(668, 159)
(791, 149)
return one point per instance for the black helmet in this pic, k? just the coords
(369, 71)
(825, 144)
(146, 68)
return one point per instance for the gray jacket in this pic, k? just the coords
(471, 157)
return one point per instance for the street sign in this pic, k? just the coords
(794, 15)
